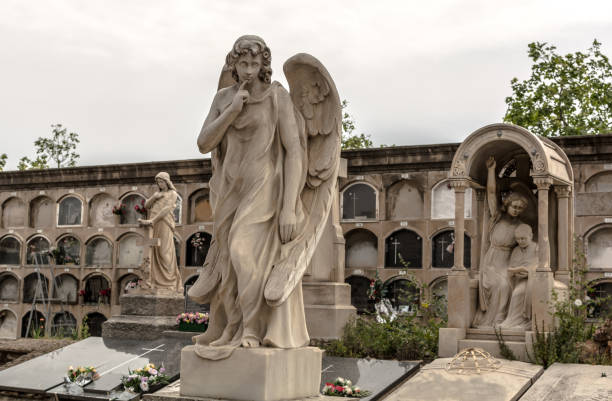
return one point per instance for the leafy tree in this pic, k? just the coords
(350, 140)
(565, 95)
(60, 149)
(3, 158)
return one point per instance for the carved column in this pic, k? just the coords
(459, 187)
(543, 184)
(563, 194)
(477, 243)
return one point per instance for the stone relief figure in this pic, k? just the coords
(164, 274)
(494, 285)
(523, 262)
(275, 159)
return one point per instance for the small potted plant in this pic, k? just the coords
(145, 380)
(192, 321)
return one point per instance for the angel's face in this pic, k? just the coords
(161, 184)
(516, 208)
(248, 67)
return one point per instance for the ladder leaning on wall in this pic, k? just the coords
(39, 258)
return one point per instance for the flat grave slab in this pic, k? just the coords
(111, 357)
(572, 382)
(434, 383)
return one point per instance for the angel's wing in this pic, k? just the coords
(316, 99)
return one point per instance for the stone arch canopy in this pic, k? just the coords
(547, 158)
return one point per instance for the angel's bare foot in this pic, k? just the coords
(250, 342)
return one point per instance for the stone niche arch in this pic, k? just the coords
(14, 212)
(38, 323)
(359, 201)
(361, 249)
(9, 288)
(199, 206)
(8, 324)
(601, 291)
(404, 250)
(66, 288)
(10, 250)
(129, 253)
(70, 211)
(443, 201)
(63, 324)
(178, 210)
(101, 211)
(129, 203)
(404, 294)
(42, 211)
(443, 249)
(122, 287)
(191, 306)
(359, 293)
(599, 247)
(94, 284)
(99, 252)
(404, 201)
(94, 322)
(37, 251)
(197, 248)
(70, 251)
(600, 182)
(31, 287)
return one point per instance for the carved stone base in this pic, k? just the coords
(255, 374)
(328, 308)
(152, 305)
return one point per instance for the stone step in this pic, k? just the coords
(489, 334)
(134, 327)
(517, 347)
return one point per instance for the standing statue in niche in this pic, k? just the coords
(275, 158)
(164, 274)
(523, 263)
(495, 288)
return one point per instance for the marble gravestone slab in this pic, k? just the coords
(111, 357)
(435, 383)
(572, 382)
(376, 375)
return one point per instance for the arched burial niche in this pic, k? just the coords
(404, 201)
(361, 249)
(66, 288)
(130, 254)
(69, 251)
(439, 296)
(9, 288)
(133, 203)
(599, 248)
(70, 211)
(8, 324)
(125, 284)
(443, 249)
(37, 251)
(10, 251)
(14, 213)
(199, 206)
(443, 201)
(32, 286)
(359, 293)
(601, 182)
(529, 180)
(63, 325)
(95, 288)
(178, 209)
(190, 305)
(42, 210)
(359, 202)
(197, 248)
(36, 324)
(94, 322)
(404, 294)
(99, 252)
(101, 211)
(404, 249)
(602, 295)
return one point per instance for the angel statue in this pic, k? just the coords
(275, 158)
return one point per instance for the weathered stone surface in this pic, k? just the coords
(137, 327)
(264, 374)
(572, 382)
(151, 305)
(435, 383)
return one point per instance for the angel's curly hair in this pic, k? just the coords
(250, 44)
(512, 197)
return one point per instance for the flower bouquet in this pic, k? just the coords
(141, 208)
(377, 290)
(344, 388)
(144, 380)
(192, 321)
(119, 209)
(82, 375)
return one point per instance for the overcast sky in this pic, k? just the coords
(135, 79)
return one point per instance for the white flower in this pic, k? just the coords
(153, 372)
(349, 383)
(144, 386)
(578, 302)
(348, 390)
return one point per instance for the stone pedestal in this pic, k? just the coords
(256, 374)
(328, 308)
(541, 309)
(144, 316)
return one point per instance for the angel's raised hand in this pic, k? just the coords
(491, 162)
(240, 98)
